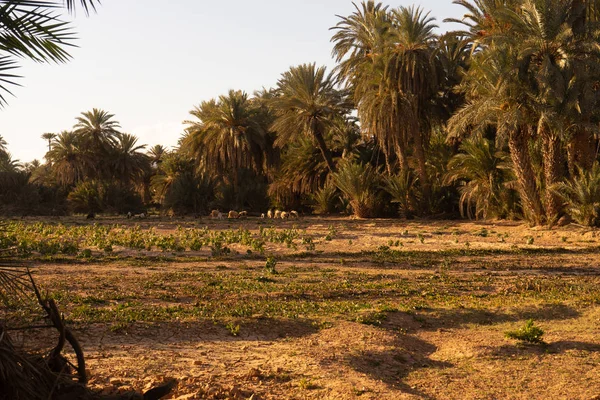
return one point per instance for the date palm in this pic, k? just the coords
(128, 162)
(3, 144)
(388, 58)
(49, 137)
(541, 88)
(307, 104)
(69, 160)
(482, 173)
(227, 134)
(98, 130)
(156, 154)
(33, 29)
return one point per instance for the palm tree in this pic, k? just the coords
(482, 174)
(307, 104)
(33, 30)
(128, 162)
(227, 134)
(543, 88)
(362, 42)
(49, 137)
(388, 58)
(3, 144)
(69, 161)
(8, 164)
(156, 154)
(98, 128)
(582, 195)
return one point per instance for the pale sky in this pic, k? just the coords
(150, 62)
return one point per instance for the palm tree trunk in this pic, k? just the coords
(553, 173)
(401, 143)
(324, 150)
(422, 164)
(519, 152)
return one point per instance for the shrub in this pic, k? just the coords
(582, 196)
(358, 183)
(404, 191)
(86, 197)
(325, 200)
(528, 333)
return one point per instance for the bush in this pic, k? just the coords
(404, 191)
(582, 196)
(358, 183)
(86, 197)
(325, 200)
(529, 333)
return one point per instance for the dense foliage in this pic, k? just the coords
(498, 120)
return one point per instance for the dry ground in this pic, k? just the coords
(378, 309)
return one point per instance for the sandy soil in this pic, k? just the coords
(446, 351)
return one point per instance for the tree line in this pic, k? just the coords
(497, 120)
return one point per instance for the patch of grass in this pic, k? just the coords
(233, 329)
(372, 318)
(270, 265)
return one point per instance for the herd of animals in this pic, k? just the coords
(271, 214)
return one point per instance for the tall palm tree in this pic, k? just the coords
(387, 56)
(128, 162)
(49, 137)
(69, 161)
(362, 42)
(541, 87)
(307, 104)
(227, 134)
(156, 154)
(98, 128)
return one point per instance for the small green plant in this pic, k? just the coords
(528, 333)
(563, 239)
(85, 253)
(372, 318)
(233, 329)
(270, 265)
(421, 238)
(529, 240)
(306, 384)
(483, 233)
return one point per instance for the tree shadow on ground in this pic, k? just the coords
(434, 319)
(405, 354)
(153, 335)
(558, 347)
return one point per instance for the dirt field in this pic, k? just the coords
(369, 309)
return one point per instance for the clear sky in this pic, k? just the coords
(151, 61)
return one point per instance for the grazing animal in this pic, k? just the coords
(90, 216)
(243, 214)
(277, 214)
(270, 214)
(284, 215)
(262, 216)
(294, 214)
(233, 215)
(216, 214)
(140, 216)
(129, 215)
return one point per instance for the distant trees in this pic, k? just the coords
(497, 120)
